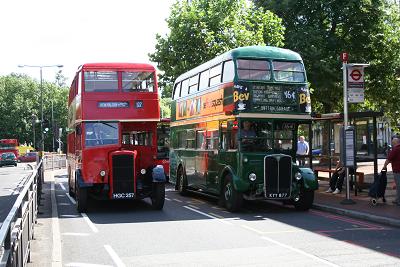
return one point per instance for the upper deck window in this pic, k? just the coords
(138, 81)
(288, 71)
(251, 69)
(177, 90)
(185, 88)
(215, 75)
(204, 77)
(193, 84)
(229, 71)
(101, 81)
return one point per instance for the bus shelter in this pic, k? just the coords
(326, 139)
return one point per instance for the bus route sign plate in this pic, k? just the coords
(113, 104)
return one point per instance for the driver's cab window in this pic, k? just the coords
(255, 136)
(283, 136)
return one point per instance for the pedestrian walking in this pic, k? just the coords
(394, 159)
(302, 150)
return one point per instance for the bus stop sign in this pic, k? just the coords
(347, 150)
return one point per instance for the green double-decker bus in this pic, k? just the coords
(234, 128)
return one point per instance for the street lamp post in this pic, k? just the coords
(34, 118)
(41, 96)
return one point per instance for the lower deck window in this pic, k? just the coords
(137, 138)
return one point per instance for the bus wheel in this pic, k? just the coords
(70, 191)
(81, 201)
(182, 182)
(158, 196)
(233, 199)
(305, 201)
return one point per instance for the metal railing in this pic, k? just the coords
(54, 161)
(16, 232)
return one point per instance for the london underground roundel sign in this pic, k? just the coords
(355, 75)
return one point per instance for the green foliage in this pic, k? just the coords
(20, 106)
(202, 29)
(320, 30)
(165, 107)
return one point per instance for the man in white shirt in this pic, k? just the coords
(302, 150)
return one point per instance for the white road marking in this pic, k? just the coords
(114, 256)
(71, 199)
(252, 229)
(208, 215)
(89, 222)
(178, 200)
(81, 264)
(270, 232)
(64, 204)
(56, 252)
(169, 190)
(62, 186)
(76, 234)
(192, 206)
(69, 216)
(300, 252)
(167, 199)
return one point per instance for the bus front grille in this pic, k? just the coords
(123, 174)
(277, 176)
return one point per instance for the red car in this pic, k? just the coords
(28, 157)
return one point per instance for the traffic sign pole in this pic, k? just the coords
(345, 125)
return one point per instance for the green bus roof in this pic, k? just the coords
(268, 52)
(264, 52)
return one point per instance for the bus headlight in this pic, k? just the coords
(102, 173)
(298, 176)
(143, 171)
(252, 176)
(245, 159)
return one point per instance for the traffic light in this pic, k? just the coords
(45, 123)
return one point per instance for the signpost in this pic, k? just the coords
(355, 84)
(353, 92)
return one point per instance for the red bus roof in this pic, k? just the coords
(115, 105)
(118, 66)
(9, 141)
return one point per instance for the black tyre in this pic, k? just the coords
(70, 191)
(233, 200)
(182, 182)
(158, 196)
(81, 199)
(305, 200)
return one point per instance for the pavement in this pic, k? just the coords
(385, 213)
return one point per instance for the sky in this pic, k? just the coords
(74, 32)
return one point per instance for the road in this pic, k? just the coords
(12, 180)
(194, 231)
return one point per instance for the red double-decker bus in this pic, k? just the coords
(112, 142)
(9, 145)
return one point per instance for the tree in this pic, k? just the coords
(320, 30)
(202, 29)
(20, 105)
(165, 104)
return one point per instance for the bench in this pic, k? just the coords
(358, 184)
